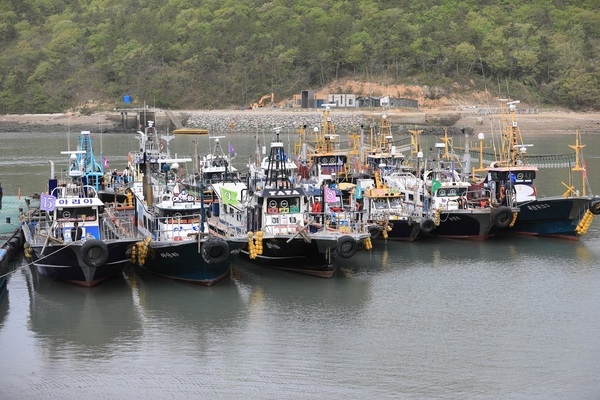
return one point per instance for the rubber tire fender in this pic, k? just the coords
(595, 207)
(427, 225)
(375, 231)
(502, 217)
(94, 253)
(346, 246)
(215, 250)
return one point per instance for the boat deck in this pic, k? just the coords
(10, 224)
(12, 207)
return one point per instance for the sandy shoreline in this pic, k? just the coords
(549, 122)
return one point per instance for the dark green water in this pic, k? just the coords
(514, 318)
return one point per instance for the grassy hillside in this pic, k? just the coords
(87, 54)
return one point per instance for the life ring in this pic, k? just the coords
(375, 231)
(502, 217)
(427, 225)
(595, 207)
(215, 250)
(502, 192)
(346, 246)
(94, 253)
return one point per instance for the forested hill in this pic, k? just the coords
(186, 54)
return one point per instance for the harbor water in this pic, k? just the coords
(506, 318)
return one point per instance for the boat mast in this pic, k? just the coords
(277, 174)
(579, 162)
(513, 151)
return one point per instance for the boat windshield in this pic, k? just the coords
(286, 205)
(396, 202)
(451, 192)
(77, 214)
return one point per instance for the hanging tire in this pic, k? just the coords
(595, 207)
(375, 231)
(346, 246)
(427, 225)
(14, 243)
(502, 217)
(94, 253)
(215, 250)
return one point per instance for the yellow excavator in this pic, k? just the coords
(261, 102)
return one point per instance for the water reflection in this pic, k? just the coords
(4, 305)
(272, 292)
(68, 319)
(179, 310)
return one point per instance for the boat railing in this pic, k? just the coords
(478, 198)
(233, 223)
(340, 221)
(178, 228)
(119, 225)
(74, 191)
(50, 232)
(119, 185)
(40, 231)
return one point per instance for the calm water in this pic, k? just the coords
(513, 318)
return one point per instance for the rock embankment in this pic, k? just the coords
(431, 122)
(343, 120)
(258, 120)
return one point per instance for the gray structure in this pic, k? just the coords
(342, 100)
(368, 101)
(386, 101)
(307, 99)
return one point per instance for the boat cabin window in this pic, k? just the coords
(381, 204)
(516, 176)
(177, 215)
(77, 214)
(524, 176)
(451, 192)
(396, 202)
(210, 177)
(284, 205)
(332, 160)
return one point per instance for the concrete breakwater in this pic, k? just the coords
(252, 120)
(344, 120)
(226, 121)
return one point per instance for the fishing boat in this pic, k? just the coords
(190, 131)
(382, 154)
(460, 213)
(11, 235)
(321, 159)
(282, 232)
(73, 235)
(395, 208)
(216, 166)
(178, 244)
(71, 238)
(512, 176)
(458, 209)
